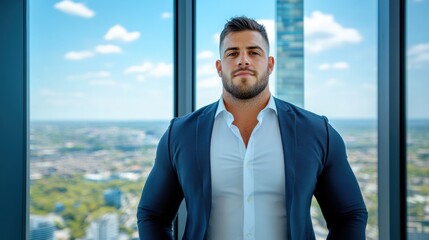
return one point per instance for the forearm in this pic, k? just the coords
(350, 226)
(152, 226)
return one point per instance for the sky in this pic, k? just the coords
(112, 60)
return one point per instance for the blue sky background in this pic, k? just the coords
(98, 60)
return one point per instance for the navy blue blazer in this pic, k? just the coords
(315, 164)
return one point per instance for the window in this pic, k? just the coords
(341, 83)
(328, 65)
(417, 52)
(101, 96)
(17, 24)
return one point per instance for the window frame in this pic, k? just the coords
(14, 111)
(392, 155)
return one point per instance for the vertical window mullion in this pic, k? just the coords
(13, 119)
(184, 60)
(184, 76)
(391, 120)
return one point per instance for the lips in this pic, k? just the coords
(243, 73)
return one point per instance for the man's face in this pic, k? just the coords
(245, 65)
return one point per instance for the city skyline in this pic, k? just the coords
(96, 61)
(75, 166)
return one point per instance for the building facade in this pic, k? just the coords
(41, 228)
(104, 228)
(113, 197)
(290, 51)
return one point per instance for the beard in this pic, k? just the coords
(244, 91)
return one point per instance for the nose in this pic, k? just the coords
(243, 60)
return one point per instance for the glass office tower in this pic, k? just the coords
(290, 51)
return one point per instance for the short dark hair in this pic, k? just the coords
(242, 23)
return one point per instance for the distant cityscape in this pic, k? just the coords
(86, 177)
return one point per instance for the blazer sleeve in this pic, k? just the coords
(161, 197)
(338, 193)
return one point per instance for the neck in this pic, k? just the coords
(247, 107)
(245, 112)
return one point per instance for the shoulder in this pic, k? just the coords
(192, 118)
(186, 126)
(301, 116)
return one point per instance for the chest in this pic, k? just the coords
(235, 167)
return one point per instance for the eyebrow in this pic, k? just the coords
(247, 48)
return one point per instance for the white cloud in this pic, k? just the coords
(143, 68)
(270, 28)
(419, 48)
(216, 38)
(162, 70)
(336, 65)
(118, 32)
(208, 79)
(340, 65)
(211, 82)
(324, 66)
(418, 54)
(206, 70)
(141, 77)
(50, 93)
(322, 32)
(90, 75)
(73, 55)
(150, 69)
(166, 15)
(332, 82)
(108, 49)
(205, 55)
(102, 82)
(73, 8)
(100, 78)
(103, 74)
(78, 94)
(57, 94)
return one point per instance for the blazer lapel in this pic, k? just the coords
(204, 132)
(288, 135)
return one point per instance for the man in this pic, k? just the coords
(249, 164)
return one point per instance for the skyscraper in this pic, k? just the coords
(104, 228)
(290, 51)
(113, 197)
(41, 228)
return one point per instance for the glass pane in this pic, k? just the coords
(100, 98)
(417, 120)
(341, 83)
(326, 61)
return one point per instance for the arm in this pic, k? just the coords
(338, 193)
(161, 196)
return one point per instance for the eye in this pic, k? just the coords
(255, 53)
(231, 54)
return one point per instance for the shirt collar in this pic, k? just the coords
(221, 107)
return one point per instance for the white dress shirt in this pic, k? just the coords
(248, 184)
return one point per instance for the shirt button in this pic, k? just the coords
(249, 235)
(249, 198)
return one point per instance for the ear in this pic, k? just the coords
(219, 68)
(270, 64)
